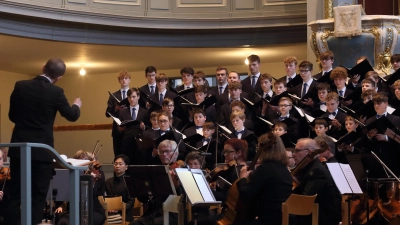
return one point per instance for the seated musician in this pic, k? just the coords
(4, 193)
(270, 183)
(168, 154)
(316, 179)
(115, 186)
(98, 190)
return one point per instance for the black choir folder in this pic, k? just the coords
(344, 178)
(125, 122)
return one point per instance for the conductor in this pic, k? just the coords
(33, 107)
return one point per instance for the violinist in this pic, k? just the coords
(270, 183)
(115, 186)
(4, 191)
(316, 179)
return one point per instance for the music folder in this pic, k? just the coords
(196, 187)
(125, 122)
(344, 178)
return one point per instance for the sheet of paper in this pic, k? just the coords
(299, 110)
(189, 184)
(203, 187)
(351, 179)
(339, 178)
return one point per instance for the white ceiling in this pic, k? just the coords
(27, 56)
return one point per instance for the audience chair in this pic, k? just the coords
(114, 203)
(300, 205)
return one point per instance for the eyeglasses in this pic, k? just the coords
(299, 150)
(227, 152)
(284, 106)
(162, 121)
(303, 71)
(165, 152)
(119, 163)
(325, 59)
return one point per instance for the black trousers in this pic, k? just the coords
(41, 173)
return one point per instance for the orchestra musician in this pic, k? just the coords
(270, 183)
(4, 193)
(316, 179)
(42, 99)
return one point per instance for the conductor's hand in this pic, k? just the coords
(78, 102)
(244, 173)
(59, 210)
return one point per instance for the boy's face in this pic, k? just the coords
(367, 99)
(194, 164)
(279, 88)
(322, 95)
(351, 125)
(221, 77)
(207, 133)
(397, 92)
(326, 63)
(235, 93)
(332, 105)
(254, 67)
(366, 86)
(200, 96)
(380, 108)
(266, 85)
(198, 81)
(124, 82)
(320, 129)
(290, 68)
(305, 73)
(236, 109)
(151, 77)
(396, 65)
(339, 82)
(161, 85)
(164, 122)
(233, 77)
(278, 130)
(154, 122)
(284, 107)
(237, 123)
(133, 99)
(187, 78)
(199, 119)
(169, 108)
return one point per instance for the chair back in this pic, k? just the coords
(301, 205)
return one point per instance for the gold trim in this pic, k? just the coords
(328, 9)
(383, 62)
(327, 33)
(374, 31)
(83, 127)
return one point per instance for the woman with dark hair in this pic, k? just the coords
(234, 150)
(115, 186)
(269, 185)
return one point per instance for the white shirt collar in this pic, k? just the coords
(48, 78)
(162, 93)
(186, 87)
(257, 75)
(308, 82)
(223, 86)
(270, 93)
(292, 76)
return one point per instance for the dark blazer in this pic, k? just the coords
(274, 177)
(316, 179)
(115, 186)
(143, 115)
(146, 90)
(190, 131)
(246, 86)
(334, 131)
(251, 153)
(168, 94)
(33, 107)
(293, 130)
(319, 75)
(312, 93)
(225, 114)
(111, 103)
(346, 93)
(224, 98)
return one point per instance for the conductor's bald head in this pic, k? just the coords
(54, 68)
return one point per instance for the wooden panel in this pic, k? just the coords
(283, 2)
(244, 4)
(200, 3)
(159, 4)
(383, 7)
(119, 2)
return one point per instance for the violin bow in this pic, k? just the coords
(5, 180)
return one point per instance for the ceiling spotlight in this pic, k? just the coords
(246, 61)
(82, 72)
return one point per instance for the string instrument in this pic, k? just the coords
(220, 170)
(237, 210)
(298, 170)
(94, 168)
(177, 164)
(4, 176)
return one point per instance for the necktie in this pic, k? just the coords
(239, 132)
(290, 79)
(161, 98)
(332, 113)
(151, 89)
(198, 127)
(123, 94)
(187, 87)
(322, 103)
(206, 139)
(253, 81)
(304, 90)
(162, 132)
(220, 90)
(266, 96)
(133, 113)
(282, 118)
(379, 116)
(341, 93)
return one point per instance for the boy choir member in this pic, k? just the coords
(326, 59)
(241, 132)
(336, 128)
(291, 78)
(200, 93)
(307, 89)
(285, 105)
(149, 88)
(187, 78)
(250, 84)
(168, 106)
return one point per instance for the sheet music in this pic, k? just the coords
(203, 187)
(344, 178)
(225, 129)
(266, 121)
(189, 184)
(309, 118)
(299, 110)
(390, 110)
(117, 120)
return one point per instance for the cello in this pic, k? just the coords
(237, 210)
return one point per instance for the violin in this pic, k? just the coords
(177, 164)
(5, 174)
(94, 169)
(220, 170)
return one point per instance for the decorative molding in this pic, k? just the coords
(179, 4)
(83, 127)
(324, 37)
(77, 1)
(383, 59)
(266, 3)
(328, 9)
(120, 2)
